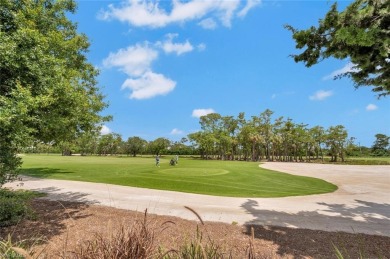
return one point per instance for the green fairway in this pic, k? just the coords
(221, 178)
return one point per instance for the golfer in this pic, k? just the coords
(157, 161)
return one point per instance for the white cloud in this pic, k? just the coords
(197, 113)
(249, 5)
(138, 13)
(150, 14)
(176, 131)
(321, 95)
(179, 48)
(134, 61)
(347, 68)
(371, 107)
(226, 11)
(208, 24)
(149, 85)
(105, 130)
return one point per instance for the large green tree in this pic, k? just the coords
(158, 145)
(381, 146)
(109, 144)
(135, 145)
(360, 33)
(336, 141)
(48, 89)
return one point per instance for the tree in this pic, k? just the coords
(287, 136)
(280, 139)
(360, 33)
(67, 147)
(158, 145)
(319, 136)
(205, 142)
(336, 140)
(87, 142)
(381, 145)
(109, 144)
(47, 88)
(135, 145)
(178, 148)
(245, 137)
(266, 130)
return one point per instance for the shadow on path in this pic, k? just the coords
(297, 234)
(56, 194)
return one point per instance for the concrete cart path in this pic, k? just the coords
(360, 205)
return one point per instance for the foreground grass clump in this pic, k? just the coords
(17, 250)
(136, 241)
(219, 178)
(150, 238)
(14, 206)
(8, 249)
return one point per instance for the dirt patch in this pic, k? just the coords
(62, 226)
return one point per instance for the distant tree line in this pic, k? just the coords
(228, 138)
(265, 138)
(112, 144)
(262, 138)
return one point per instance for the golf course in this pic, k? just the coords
(210, 177)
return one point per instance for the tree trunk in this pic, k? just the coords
(66, 152)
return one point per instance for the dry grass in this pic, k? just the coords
(135, 241)
(76, 230)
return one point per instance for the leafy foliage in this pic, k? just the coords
(360, 33)
(158, 145)
(14, 206)
(109, 144)
(229, 138)
(381, 146)
(47, 88)
(135, 145)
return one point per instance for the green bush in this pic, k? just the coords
(14, 206)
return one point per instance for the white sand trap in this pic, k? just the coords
(360, 205)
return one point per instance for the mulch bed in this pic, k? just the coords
(64, 226)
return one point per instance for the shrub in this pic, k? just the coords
(14, 206)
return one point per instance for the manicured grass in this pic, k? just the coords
(220, 178)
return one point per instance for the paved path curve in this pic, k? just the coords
(360, 205)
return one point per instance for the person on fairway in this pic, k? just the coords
(172, 162)
(177, 159)
(157, 161)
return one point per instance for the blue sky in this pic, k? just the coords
(165, 63)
